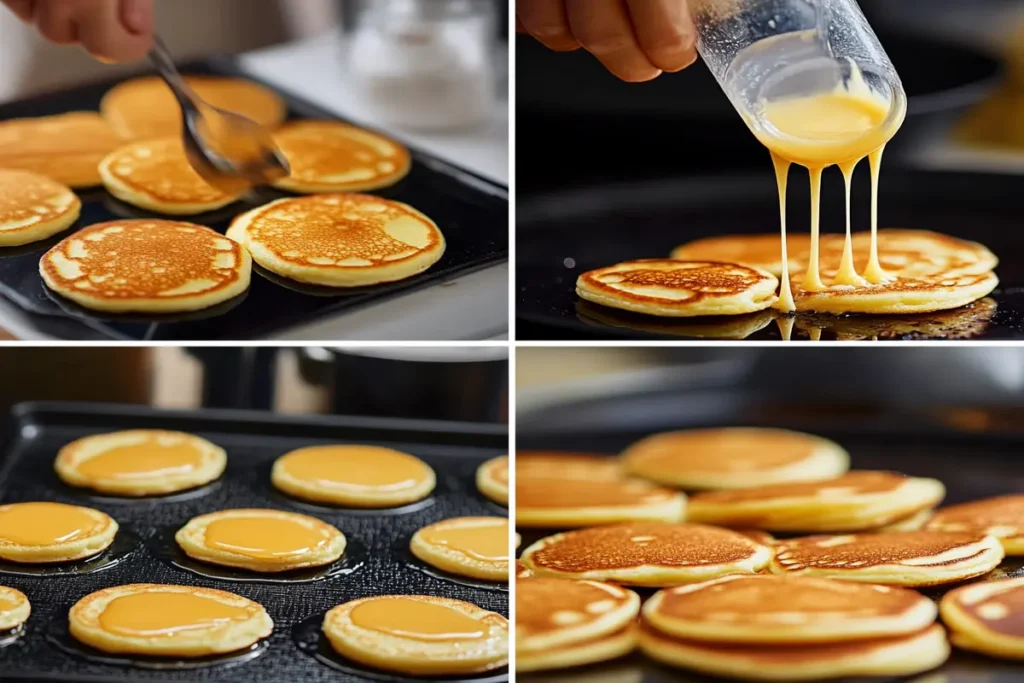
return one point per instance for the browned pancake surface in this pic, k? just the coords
(1002, 517)
(1000, 611)
(160, 169)
(855, 483)
(329, 152)
(721, 450)
(564, 465)
(859, 551)
(681, 282)
(23, 196)
(67, 148)
(541, 603)
(541, 493)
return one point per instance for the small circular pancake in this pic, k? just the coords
(646, 554)
(33, 207)
(987, 617)
(331, 156)
(42, 532)
(900, 656)
(261, 540)
(148, 266)
(1002, 517)
(857, 500)
(492, 479)
(603, 649)
(145, 107)
(355, 476)
(340, 240)
(167, 621)
(566, 465)
(418, 635)
(904, 558)
(469, 546)
(553, 613)
(789, 610)
(66, 148)
(734, 458)
(679, 288)
(14, 608)
(155, 175)
(561, 503)
(140, 462)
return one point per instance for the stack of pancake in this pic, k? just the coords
(775, 560)
(334, 237)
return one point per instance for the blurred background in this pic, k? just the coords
(451, 383)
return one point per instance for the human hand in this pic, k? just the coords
(635, 39)
(115, 30)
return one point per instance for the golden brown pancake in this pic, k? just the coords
(340, 240)
(1002, 517)
(987, 617)
(670, 288)
(492, 479)
(907, 558)
(759, 250)
(66, 148)
(734, 457)
(788, 610)
(646, 554)
(146, 108)
(33, 207)
(612, 646)
(855, 501)
(567, 465)
(156, 175)
(914, 522)
(152, 266)
(331, 156)
(563, 503)
(522, 571)
(15, 609)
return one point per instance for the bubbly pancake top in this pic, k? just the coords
(331, 152)
(27, 199)
(61, 147)
(555, 493)
(160, 169)
(133, 259)
(997, 605)
(146, 108)
(562, 465)
(1002, 517)
(342, 230)
(548, 605)
(851, 484)
(722, 450)
(859, 551)
(625, 546)
(665, 280)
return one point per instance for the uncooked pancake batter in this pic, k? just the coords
(356, 467)
(488, 543)
(404, 618)
(40, 524)
(263, 537)
(164, 614)
(154, 458)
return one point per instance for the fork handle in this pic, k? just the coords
(161, 58)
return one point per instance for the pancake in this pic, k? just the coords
(522, 571)
(787, 610)
(553, 613)
(734, 458)
(717, 327)
(261, 540)
(914, 522)
(42, 533)
(987, 617)
(899, 656)
(855, 501)
(341, 240)
(147, 266)
(1002, 517)
(560, 503)
(145, 108)
(167, 621)
(140, 462)
(908, 558)
(605, 648)
(418, 635)
(331, 156)
(469, 546)
(758, 250)
(965, 322)
(14, 608)
(155, 175)
(66, 148)
(33, 207)
(681, 289)
(567, 465)
(646, 554)
(492, 479)
(353, 476)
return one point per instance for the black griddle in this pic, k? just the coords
(917, 441)
(561, 235)
(471, 211)
(252, 440)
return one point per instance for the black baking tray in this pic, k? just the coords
(471, 211)
(919, 442)
(252, 440)
(560, 236)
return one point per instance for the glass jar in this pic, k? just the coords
(425, 64)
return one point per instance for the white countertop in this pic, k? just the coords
(470, 307)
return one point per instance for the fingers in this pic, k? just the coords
(604, 28)
(548, 22)
(56, 20)
(115, 30)
(23, 9)
(665, 32)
